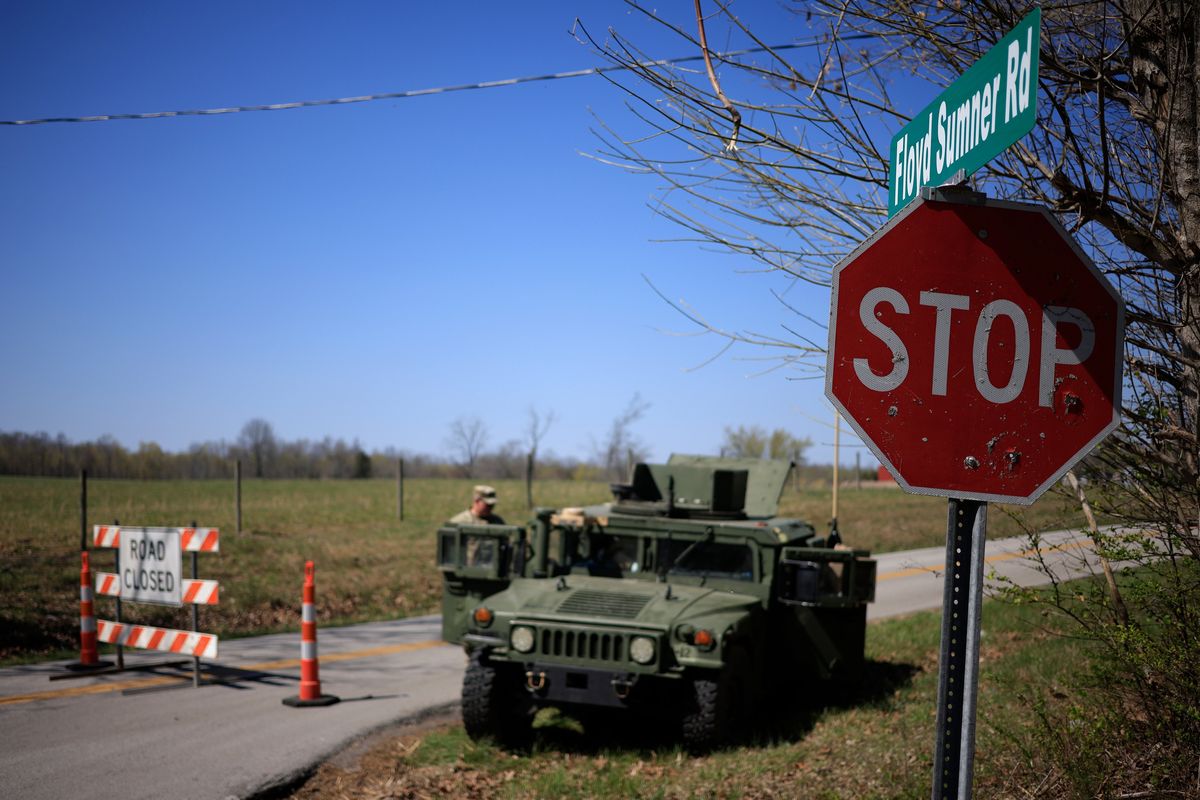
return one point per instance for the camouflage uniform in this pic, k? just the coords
(467, 517)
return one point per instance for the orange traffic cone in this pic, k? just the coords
(310, 682)
(88, 654)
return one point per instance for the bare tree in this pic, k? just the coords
(621, 448)
(467, 438)
(743, 442)
(258, 439)
(782, 157)
(536, 428)
(755, 442)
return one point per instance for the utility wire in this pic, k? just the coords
(411, 93)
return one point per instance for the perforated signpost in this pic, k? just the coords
(977, 351)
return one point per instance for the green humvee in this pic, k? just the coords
(682, 598)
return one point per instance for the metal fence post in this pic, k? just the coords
(400, 488)
(237, 492)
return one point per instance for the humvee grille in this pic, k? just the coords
(604, 604)
(591, 645)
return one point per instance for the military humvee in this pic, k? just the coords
(682, 598)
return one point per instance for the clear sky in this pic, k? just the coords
(367, 271)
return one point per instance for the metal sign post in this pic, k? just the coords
(958, 664)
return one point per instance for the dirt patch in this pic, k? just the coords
(374, 766)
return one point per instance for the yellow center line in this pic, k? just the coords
(167, 680)
(905, 573)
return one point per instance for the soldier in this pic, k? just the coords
(480, 512)
(480, 550)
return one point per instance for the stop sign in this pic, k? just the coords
(975, 348)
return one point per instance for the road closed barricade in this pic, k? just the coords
(149, 569)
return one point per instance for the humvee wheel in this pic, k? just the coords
(495, 705)
(719, 709)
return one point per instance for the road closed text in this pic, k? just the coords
(151, 565)
(939, 310)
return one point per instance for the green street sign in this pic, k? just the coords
(991, 106)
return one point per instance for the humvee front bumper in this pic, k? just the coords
(559, 683)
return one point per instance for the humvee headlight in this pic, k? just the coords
(521, 639)
(482, 616)
(641, 649)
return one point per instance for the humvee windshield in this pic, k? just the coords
(706, 559)
(611, 556)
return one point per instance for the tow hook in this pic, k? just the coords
(622, 686)
(536, 681)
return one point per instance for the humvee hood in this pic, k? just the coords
(601, 600)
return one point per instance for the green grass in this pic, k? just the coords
(369, 564)
(887, 519)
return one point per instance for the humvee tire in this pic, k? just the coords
(495, 705)
(720, 709)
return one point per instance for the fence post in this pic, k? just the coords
(83, 537)
(237, 492)
(400, 488)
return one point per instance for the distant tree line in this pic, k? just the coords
(264, 455)
(269, 457)
(41, 454)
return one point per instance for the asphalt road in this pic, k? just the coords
(150, 734)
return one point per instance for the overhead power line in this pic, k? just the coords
(203, 112)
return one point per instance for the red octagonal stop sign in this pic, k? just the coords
(975, 348)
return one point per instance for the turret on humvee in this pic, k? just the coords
(685, 594)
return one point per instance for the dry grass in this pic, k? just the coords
(370, 565)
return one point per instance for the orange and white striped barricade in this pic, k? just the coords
(166, 640)
(310, 681)
(150, 570)
(199, 592)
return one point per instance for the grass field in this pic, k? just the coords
(370, 565)
(877, 743)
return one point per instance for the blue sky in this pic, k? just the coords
(368, 271)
